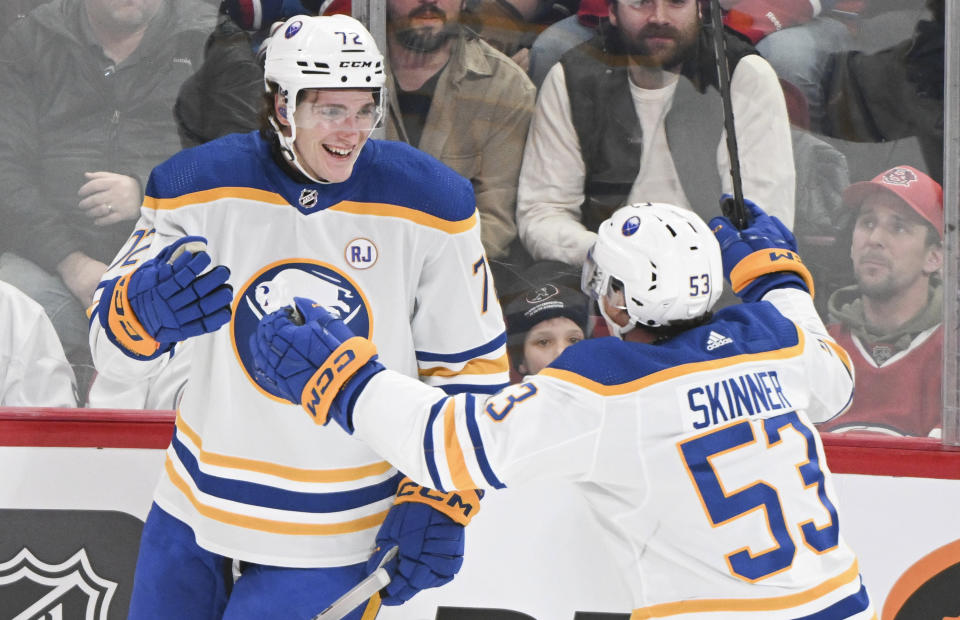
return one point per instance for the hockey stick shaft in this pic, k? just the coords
(733, 209)
(359, 593)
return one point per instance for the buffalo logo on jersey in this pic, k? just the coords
(275, 286)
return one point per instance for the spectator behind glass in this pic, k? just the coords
(511, 26)
(796, 37)
(455, 97)
(543, 319)
(224, 95)
(86, 94)
(626, 116)
(569, 32)
(33, 370)
(890, 321)
(13, 10)
(892, 94)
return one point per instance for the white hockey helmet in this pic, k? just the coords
(658, 262)
(329, 51)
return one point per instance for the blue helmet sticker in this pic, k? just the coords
(630, 226)
(293, 29)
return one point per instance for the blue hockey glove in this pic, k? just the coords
(307, 357)
(166, 300)
(428, 527)
(761, 257)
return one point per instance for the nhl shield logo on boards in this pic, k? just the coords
(308, 198)
(70, 589)
(361, 253)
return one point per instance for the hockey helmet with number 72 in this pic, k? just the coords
(329, 52)
(659, 262)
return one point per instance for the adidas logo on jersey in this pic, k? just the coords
(715, 340)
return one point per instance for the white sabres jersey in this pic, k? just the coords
(698, 456)
(394, 251)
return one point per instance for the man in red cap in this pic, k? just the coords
(890, 321)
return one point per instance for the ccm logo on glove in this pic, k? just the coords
(458, 505)
(125, 325)
(325, 384)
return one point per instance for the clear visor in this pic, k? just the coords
(598, 285)
(334, 116)
(592, 281)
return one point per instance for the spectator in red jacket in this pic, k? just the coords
(890, 321)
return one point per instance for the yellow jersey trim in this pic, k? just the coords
(406, 213)
(674, 372)
(210, 195)
(296, 474)
(346, 206)
(455, 459)
(271, 525)
(772, 603)
(372, 609)
(473, 367)
(842, 354)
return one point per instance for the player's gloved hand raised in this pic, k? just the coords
(167, 299)
(761, 257)
(306, 356)
(430, 538)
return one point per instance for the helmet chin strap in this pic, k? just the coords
(287, 148)
(615, 328)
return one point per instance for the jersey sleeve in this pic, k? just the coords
(150, 235)
(458, 328)
(530, 431)
(828, 365)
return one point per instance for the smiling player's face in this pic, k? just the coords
(332, 127)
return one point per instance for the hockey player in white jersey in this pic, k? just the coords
(383, 236)
(692, 431)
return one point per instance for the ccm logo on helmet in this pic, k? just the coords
(356, 63)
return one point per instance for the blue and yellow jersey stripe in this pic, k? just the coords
(674, 372)
(252, 194)
(241, 492)
(484, 369)
(846, 607)
(386, 176)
